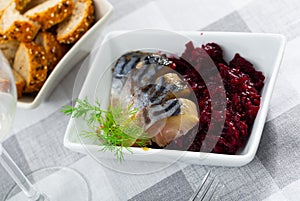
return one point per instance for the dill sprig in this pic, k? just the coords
(116, 127)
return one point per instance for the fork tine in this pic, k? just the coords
(213, 191)
(207, 188)
(192, 198)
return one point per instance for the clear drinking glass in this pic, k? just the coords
(53, 184)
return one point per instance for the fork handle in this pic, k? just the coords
(192, 198)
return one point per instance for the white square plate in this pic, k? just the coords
(265, 51)
(80, 49)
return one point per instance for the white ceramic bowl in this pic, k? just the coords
(265, 51)
(81, 48)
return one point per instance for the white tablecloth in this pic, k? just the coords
(274, 174)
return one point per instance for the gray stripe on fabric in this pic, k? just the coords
(121, 8)
(39, 146)
(42, 143)
(172, 188)
(279, 149)
(231, 23)
(247, 183)
(280, 16)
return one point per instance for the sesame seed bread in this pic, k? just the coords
(13, 25)
(50, 13)
(21, 4)
(32, 4)
(53, 49)
(36, 34)
(9, 48)
(70, 30)
(30, 62)
(20, 83)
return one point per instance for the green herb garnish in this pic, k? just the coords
(116, 128)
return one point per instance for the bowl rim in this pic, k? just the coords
(240, 159)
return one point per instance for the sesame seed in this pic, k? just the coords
(17, 29)
(51, 22)
(65, 10)
(27, 29)
(52, 14)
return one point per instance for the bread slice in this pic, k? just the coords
(13, 25)
(30, 62)
(54, 50)
(70, 30)
(50, 13)
(20, 83)
(32, 4)
(9, 48)
(21, 4)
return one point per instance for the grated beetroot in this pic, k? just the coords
(242, 84)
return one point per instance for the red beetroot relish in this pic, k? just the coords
(242, 84)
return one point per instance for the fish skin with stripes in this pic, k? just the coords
(164, 100)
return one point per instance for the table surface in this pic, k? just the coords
(274, 174)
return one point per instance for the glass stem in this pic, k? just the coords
(17, 175)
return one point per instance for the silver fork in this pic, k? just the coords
(208, 189)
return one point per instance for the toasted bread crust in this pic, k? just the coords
(77, 30)
(47, 14)
(53, 49)
(21, 4)
(31, 64)
(21, 29)
(9, 48)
